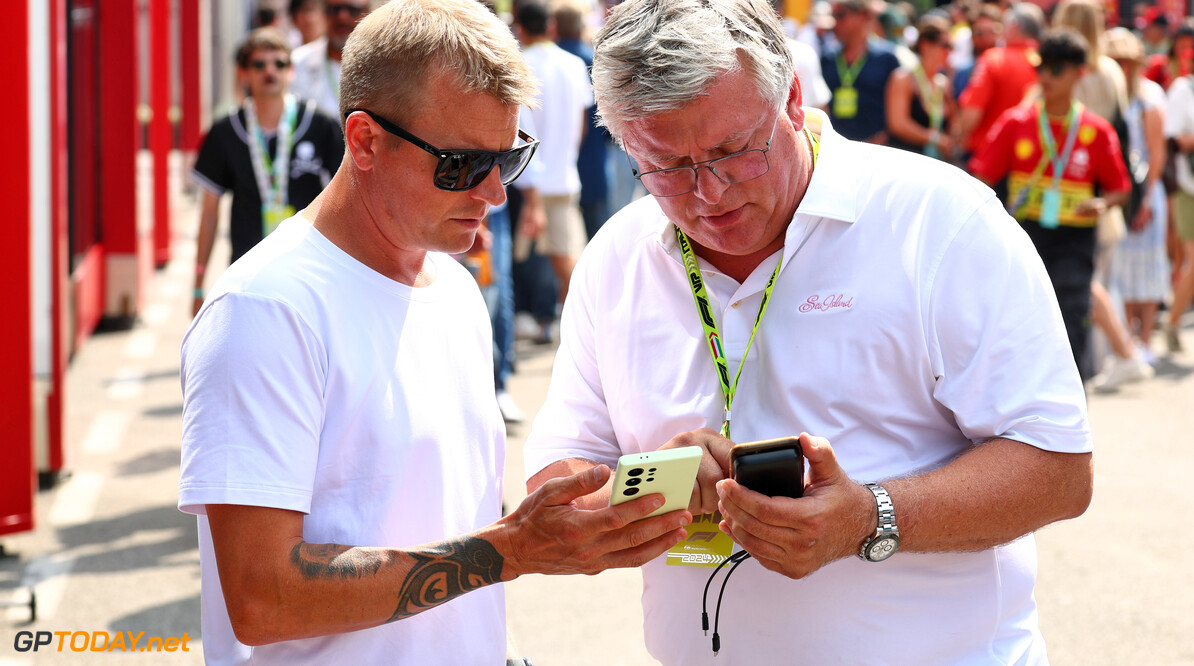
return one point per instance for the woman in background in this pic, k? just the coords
(1139, 265)
(920, 103)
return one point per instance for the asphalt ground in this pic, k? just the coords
(111, 554)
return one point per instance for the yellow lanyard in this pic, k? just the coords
(701, 296)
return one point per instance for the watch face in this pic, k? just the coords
(882, 548)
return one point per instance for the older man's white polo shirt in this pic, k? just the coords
(911, 318)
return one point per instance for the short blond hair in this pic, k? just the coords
(391, 55)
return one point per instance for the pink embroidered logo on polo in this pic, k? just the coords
(815, 303)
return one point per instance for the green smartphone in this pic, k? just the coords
(671, 472)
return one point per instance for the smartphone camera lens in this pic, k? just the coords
(634, 481)
(630, 492)
(637, 471)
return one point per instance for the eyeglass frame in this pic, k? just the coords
(444, 155)
(706, 164)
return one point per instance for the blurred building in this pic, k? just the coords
(107, 99)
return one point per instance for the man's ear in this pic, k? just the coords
(362, 140)
(794, 106)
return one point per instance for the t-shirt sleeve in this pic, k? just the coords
(1002, 361)
(252, 406)
(212, 170)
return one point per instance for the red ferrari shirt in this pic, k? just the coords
(1013, 149)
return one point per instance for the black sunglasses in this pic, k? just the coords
(460, 170)
(353, 10)
(260, 65)
(1055, 68)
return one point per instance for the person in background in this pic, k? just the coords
(857, 72)
(1104, 91)
(1179, 126)
(910, 332)
(307, 21)
(341, 448)
(920, 102)
(274, 154)
(570, 17)
(1139, 266)
(1003, 76)
(890, 25)
(1155, 33)
(560, 119)
(986, 29)
(317, 64)
(1053, 176)
(1163, 68)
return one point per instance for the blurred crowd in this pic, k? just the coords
(942, 80)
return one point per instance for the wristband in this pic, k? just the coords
(199, 293)
(934, 137)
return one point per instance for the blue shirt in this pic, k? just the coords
(871, 85)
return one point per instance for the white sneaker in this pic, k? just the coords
(1119, 371)
(510, 411)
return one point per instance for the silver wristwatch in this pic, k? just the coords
(886, 539)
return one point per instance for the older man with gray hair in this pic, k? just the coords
(782, 280)
(341, 445)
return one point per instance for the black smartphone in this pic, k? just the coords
(773, 467)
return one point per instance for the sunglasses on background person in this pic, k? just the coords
(460, 170)
(1055, 68)
(354, 11)
(260, 65)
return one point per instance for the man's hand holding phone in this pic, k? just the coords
(549, 533)
(795, 537)
(715, 466)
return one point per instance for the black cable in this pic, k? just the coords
(736, 559)
(705, 596)
(741, 556)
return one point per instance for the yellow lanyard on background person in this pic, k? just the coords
(933, 99)
(700, 295)
(272, 175)
(845, 98)
(706, 545)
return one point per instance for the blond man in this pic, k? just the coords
(342, 447)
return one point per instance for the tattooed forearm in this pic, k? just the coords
(446, 571)
(329, 560)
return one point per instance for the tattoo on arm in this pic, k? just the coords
(446, 571)
(439, 573)
(329, 560)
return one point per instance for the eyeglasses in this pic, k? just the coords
(460, 170)
(736, 167)
(354, 11)
(260, 65)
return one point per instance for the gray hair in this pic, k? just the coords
(654, 56)
(393, 52)
(1028, 19)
